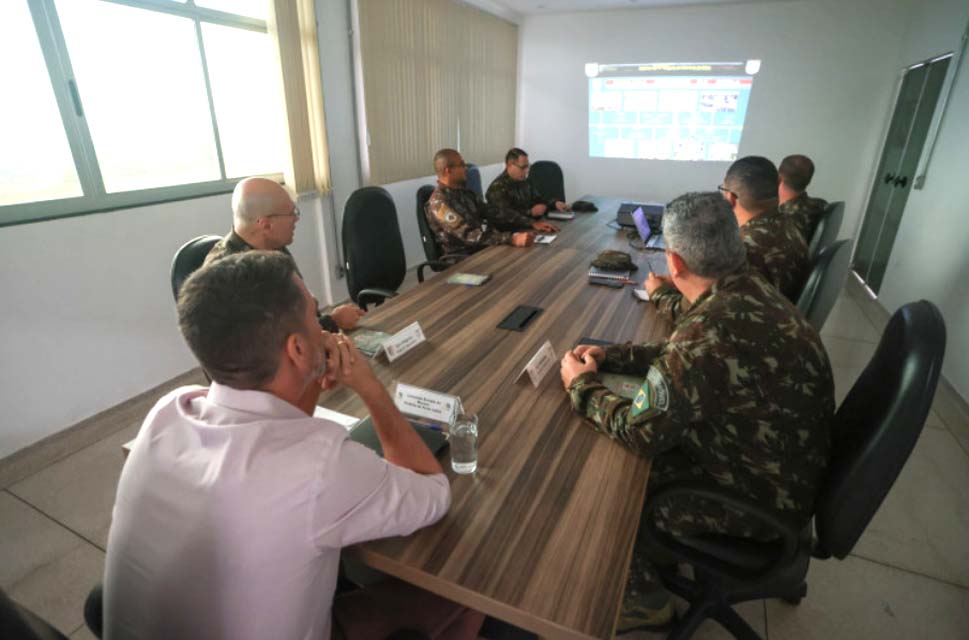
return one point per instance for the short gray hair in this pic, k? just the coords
(702, 229)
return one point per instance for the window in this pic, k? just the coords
(126, 102)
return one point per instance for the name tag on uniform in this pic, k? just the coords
(403, 341)
(439, 408)
(540, 364)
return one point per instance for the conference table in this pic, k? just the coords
(541, 535)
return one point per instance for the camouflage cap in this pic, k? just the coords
(584, 206)
(614, 261)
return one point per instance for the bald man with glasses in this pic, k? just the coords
(264, 217)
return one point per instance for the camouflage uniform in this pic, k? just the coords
(805, 212)
(233, 243)
(777, 250)
(518, 195)
(741, 396)
(463, 223)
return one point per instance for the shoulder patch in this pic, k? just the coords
(660, 390)
(641, 401)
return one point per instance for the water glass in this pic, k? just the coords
(463, 441)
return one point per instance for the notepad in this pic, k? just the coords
(561, 215)
(545, 239)
(596, 272)
(366, 434)
(469, 279)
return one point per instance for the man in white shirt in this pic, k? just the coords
(235, 501)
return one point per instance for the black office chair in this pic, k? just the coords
(436, 259)
(473, 177)
(373, 252)
(547, 177)
(826, 231)
(17, 623)
(873, 434)
(823, 285)
(188, 258)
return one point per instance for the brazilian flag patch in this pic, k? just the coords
(654, 393)
(641, 401)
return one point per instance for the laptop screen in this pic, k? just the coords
(639, 217)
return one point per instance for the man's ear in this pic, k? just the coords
(297, 351)
(677, 264)
(732, 199)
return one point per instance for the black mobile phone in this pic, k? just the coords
(606, 282)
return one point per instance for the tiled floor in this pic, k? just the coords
(908, 576)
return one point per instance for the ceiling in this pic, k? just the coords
(538, 7)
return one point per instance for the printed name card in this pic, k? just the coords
(423, 403)
(403, 341)
(540, 364)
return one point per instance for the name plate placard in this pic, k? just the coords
(540, 364)
(440, 408)
(403, 341)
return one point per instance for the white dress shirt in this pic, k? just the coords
(231, 512)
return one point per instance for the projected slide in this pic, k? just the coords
(668, 111)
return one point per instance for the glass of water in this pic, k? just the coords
(463, 441)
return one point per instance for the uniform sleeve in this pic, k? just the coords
(374, 499)
(665, 407)
(669, 302)
(632, 359)
(498, 195)
(453, 224)
(505, 218)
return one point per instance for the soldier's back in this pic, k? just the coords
(777, 250)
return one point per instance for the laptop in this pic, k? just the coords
(654, 214)
(650, 240)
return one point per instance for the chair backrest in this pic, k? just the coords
(823, 285)
(827, 228)
(473, 177)
(431, 250)
(20, 624)
(188, 258)
(547, 178)
(878, 424)
(372, 248)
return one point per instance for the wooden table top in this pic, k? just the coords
(541, 536)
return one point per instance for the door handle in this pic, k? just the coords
(901, 181)
(888, 178)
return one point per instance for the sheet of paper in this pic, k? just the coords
(540, 364)
(403, 341)
(423, 403)
(641, 294)
(545, 239)
(342, 419)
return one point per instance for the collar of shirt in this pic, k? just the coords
(763, 219)
(250, 401)
(725, 283)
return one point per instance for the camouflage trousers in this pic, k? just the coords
(680, 517)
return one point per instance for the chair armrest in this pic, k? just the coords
(787, 531)
(435, 265)
(373, 296)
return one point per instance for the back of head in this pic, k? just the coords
(796, 171)
(236, 314)
(254, 198)
(445, 158)
(702, 229)
(514, 154)
(754, 180)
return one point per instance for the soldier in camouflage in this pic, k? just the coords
(462, 222)
(264, 217)
(740, 395)
(512, 190)
(795, 175)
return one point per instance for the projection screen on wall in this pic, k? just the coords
(668, 111)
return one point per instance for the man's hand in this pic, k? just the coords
(654, 282)
(345, 365)
(562, 206)
(523, 239)
(597, 353)
(572, 367)
(538, 210)
(545, 227)
(346, 316)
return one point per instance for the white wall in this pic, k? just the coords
(89, 319)
(930, 258)
(829, 72)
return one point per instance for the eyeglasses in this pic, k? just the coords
(458, 165)
(523, 167)
(292, 214)
(723, 189)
